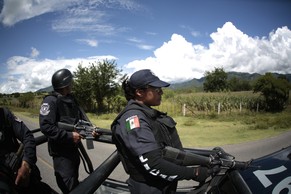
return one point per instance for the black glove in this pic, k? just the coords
(214, 170)
(202, 173)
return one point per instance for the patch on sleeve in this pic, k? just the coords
(44, 109)
(17, 119)
(132, 122)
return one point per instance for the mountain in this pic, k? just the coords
(47, 89)
(188, 84)
(243, 76)
(198, 83)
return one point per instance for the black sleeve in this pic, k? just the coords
(157, 166)
(24, 135)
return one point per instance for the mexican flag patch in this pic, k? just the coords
(132, 122)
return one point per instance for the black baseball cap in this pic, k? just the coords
(144, 77)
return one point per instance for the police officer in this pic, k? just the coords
(140, 134)
(17, 161)
(61, 106)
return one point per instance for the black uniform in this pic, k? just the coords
(140, 133)
(13, 130)
(57, 108)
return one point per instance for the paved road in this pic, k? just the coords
(244, 151)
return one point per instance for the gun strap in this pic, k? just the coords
(85, 158)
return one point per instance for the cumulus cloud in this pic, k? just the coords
(175, 60)
(28, 74)
(179, 60)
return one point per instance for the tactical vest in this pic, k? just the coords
(8, 141)
(67, 109)
(67, 112)
(163, 128)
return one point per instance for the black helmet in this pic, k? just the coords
(62, 78)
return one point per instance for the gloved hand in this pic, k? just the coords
(214, 170)
(202, 173)
(23, 175)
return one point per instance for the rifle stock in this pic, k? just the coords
(184, 158)
(189, 159)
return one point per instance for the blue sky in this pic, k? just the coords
(177, 39)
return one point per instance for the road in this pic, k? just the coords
(243, 151)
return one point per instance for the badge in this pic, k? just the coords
(44, 109)
(132, 122)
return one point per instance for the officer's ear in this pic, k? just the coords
(140, 93)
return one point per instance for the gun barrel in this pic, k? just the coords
(103, 131)
(231, 163)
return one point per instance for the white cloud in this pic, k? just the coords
(145, 46)
(176, 60)
(34, 52)
(139, 43)
(15, 11)
(135, 40)
(180, 60)
(73, 15)
(90, 42)
(84, 20)
(195, 33)
(27, 74)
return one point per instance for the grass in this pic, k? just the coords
(212, 130)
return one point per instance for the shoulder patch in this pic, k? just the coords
(17, 119)
(132, 122)
(44, 109)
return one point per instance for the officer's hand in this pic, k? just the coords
(77, 137)
(23, 175)
(214, 170)
(95, 134)
(202, 173)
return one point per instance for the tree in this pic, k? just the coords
(99, 82)
(275, 91)
(82, 87)
(26, 100)
(215, 81)
(236, 84)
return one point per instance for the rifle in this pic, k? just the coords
(216, 157)
(84, 128)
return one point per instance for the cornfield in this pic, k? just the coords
(206, 103)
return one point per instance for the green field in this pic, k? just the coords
(201, 124)
(213, 130)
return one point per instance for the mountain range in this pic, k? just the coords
(198, 83)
